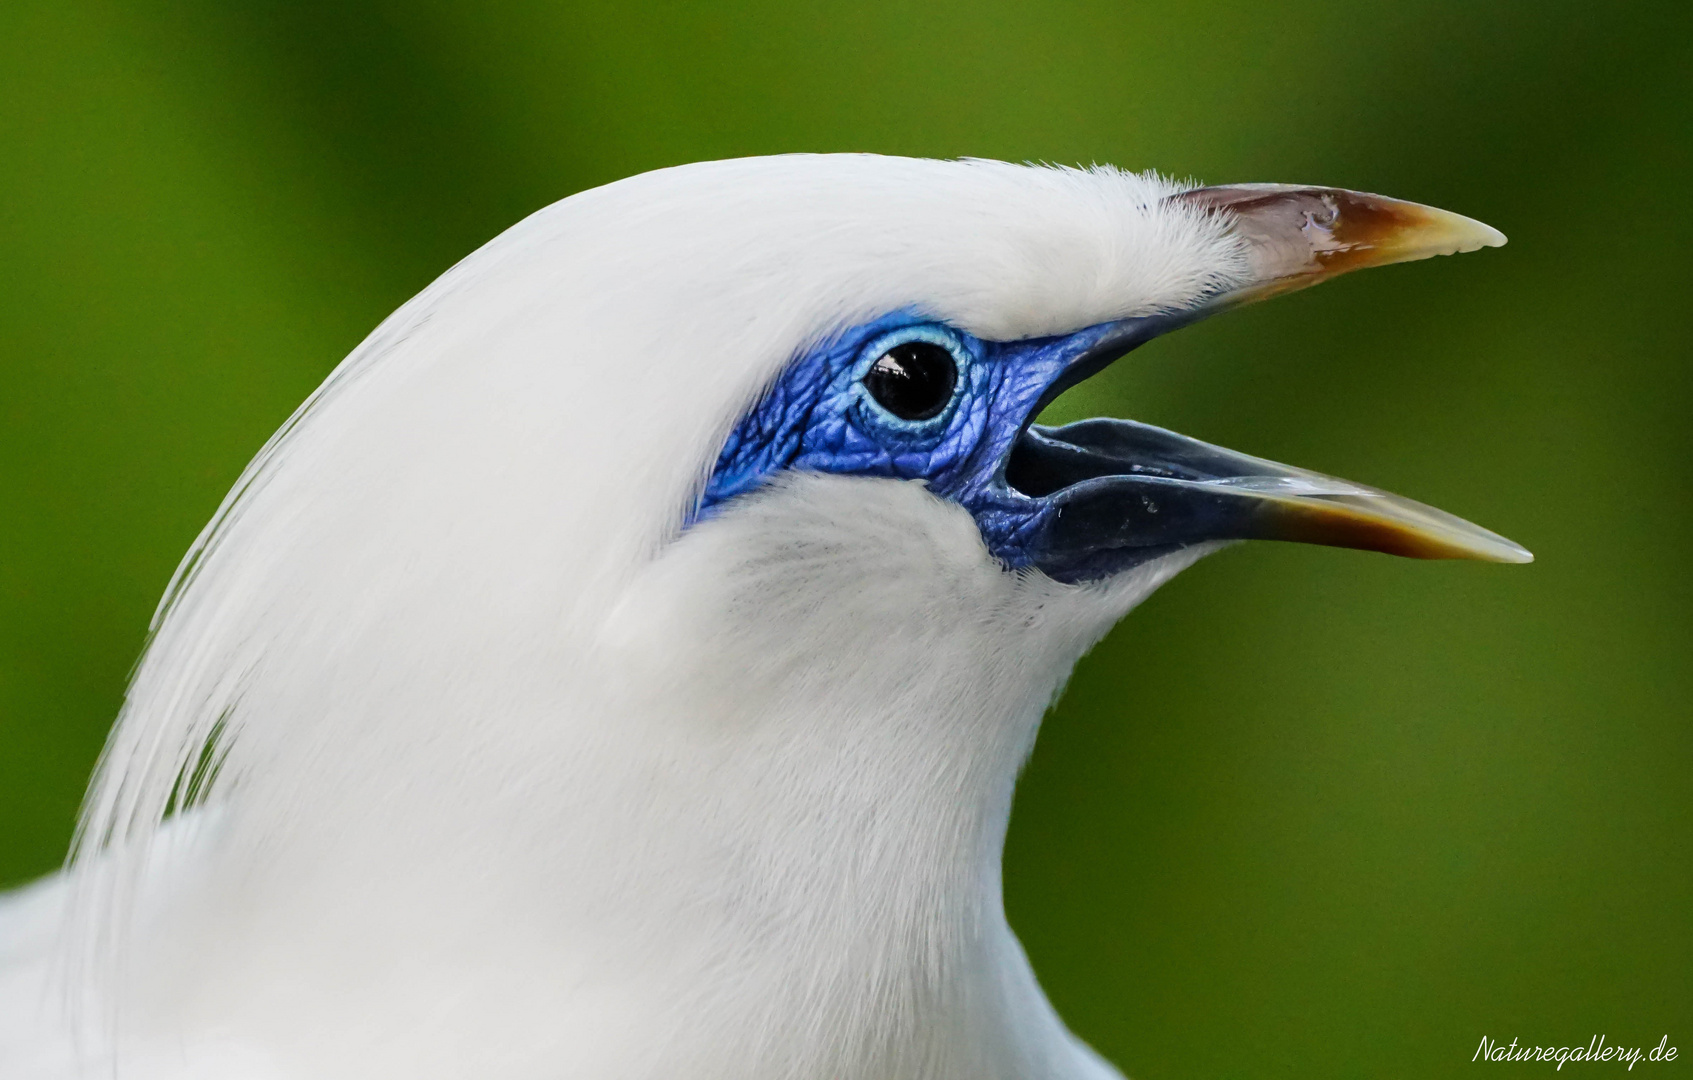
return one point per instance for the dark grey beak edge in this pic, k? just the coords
(1121, 492)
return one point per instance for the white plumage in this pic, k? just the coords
(509, 773)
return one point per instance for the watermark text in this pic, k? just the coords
(1598, 1048)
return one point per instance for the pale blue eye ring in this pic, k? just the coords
(909, 381)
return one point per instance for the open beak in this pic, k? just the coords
(1118, 492)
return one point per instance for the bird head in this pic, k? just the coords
(884, 436)
(689, 562)
(912, 395)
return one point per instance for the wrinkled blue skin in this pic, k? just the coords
(819, 417)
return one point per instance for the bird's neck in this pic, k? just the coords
(698, 900)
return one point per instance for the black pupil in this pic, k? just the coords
(913, 380)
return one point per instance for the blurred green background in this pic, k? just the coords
(1307, 813)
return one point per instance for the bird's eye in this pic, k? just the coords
(913, 380)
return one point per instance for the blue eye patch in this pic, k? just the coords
(823, 414)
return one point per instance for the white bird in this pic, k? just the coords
(620, 667)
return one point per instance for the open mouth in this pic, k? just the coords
(1109, 494)
(1119, 492)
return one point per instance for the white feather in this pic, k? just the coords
(509, 776)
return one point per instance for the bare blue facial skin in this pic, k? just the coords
(820, 416)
